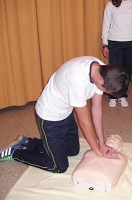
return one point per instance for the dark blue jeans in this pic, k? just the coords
(120, 53)
(59, 139)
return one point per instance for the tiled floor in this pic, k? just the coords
(21, 121)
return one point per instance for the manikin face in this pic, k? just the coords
(115, 141)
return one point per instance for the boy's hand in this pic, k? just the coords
(108, 152)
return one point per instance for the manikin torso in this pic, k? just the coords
(99, 173)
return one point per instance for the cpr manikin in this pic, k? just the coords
(99, 173)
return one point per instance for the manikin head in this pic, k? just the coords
(115, 141)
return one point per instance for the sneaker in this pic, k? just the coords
(123, 102)
(112, 103)
(7, 153)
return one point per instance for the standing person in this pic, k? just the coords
(117, 39)
(75, 82)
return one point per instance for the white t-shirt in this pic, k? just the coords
(117, 22)
(70, 86)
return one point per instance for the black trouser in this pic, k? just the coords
(120, 53)
(59, 139)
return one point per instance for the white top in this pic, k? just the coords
(117, 22)
(70, 86)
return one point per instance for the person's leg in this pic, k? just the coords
(28, 151)
(32, 153)
(51, 152)
(72, 138)
(34, 145)
(53, 156)
(127, 65)
(127, 58)
(56, 145)
(61, 140)
(116, 56)
(53, 139)
(115, 53)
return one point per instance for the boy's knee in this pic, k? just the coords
(73, 153)
(63, 167)
(76, 153)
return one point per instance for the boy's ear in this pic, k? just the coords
(101, 80)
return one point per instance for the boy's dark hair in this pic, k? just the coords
(116, 3)
(116, 79)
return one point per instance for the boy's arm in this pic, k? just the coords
(97, 117)
(98, 125)
(86, 125)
